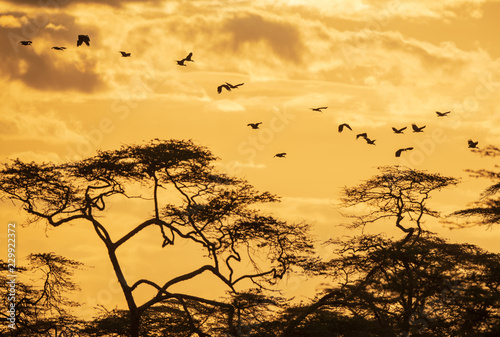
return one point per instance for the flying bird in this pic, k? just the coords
(341, 127)
(83, 39)
(472, 144)
(369, 141)
(398, 152)
(225, 86)
(187, 58)
(417, 129)
(234, 86)
(442, 114)
(26, 43)
(254, 125)
(398, 130)
(364, 135)
(124, 54)
(319, 109)
(280, 155)
(58, 48)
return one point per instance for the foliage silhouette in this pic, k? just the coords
(429, 288)
(174, 318)
(398, 193)
(485, 211)
(188, 200)
(42, 308)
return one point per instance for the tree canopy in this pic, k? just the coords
(379, 287)
(42, 307)
(188, 200)
(398, 193)
(486, 210)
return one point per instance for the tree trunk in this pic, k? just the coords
(135, 323)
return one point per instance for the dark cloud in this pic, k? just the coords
(283, 38)
(64, 3)
(42, 74)
(44, 69)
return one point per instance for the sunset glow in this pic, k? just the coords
(374, 64)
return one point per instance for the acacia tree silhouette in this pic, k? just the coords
(430, 288)
(207, 208)
(486, 210)
(41, 308)
(396, 193)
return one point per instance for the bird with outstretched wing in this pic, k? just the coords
(417, 129)
(400, 131)
(235, 86)
(344, 125)
(442, 114)
(398, 152)
(225, 86)
(254, 125)
(83, 39)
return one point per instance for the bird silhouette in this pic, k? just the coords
(26, 43)
(472, 144)
(225, 86)
(280, 155)
(369, 141)
(398, 152)
(254, 125)
(234, 86)
(398, 130)
(58, 48)
(124, 54)
(83, 39)
(417, 129)
(341, 127)
(187, 58)
(319, 109)
(364, 135)
(442, 114)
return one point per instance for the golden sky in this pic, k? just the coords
(375, 64)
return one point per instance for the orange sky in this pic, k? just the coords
(375, 64)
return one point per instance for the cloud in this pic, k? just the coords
(379, 11)
(311, 201)
(250, 164)
(371, 57)
(38, 156)
(238, 40)
(9, 21)
(281, 37)
(357, 10)
(55, 4)
(225, 106)
(55, 27)
(25, 124)
(39, 67)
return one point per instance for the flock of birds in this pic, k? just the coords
(416, 129)
(84, 39)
